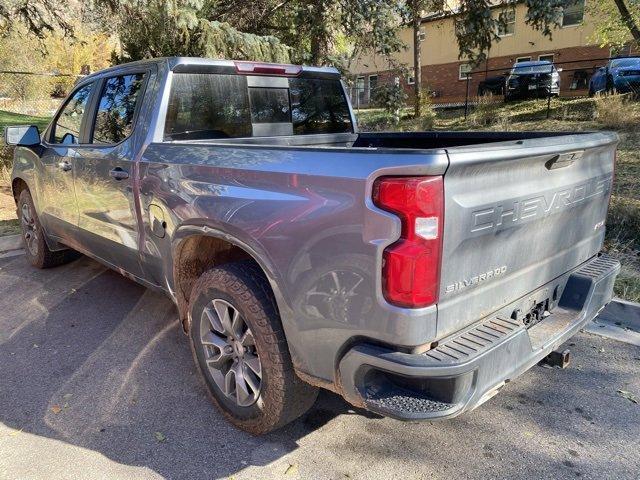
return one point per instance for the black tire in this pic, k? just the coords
(282, 396)
(36, 249)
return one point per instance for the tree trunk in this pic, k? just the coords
(320, 33)
(417, 61)
(628, 20)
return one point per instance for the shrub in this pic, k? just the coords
(427, 119)
(391, 97)
(614, 111)
(485, 112)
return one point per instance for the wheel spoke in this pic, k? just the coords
(26, 214)
(237, 324)
(253, 363)
(247, 339)
(229, 382)
(336, 281)
(213, 320)
(210, 338)
(218, 360)
(351, 291)
(222, 309)
(242, 389)
(254, 383)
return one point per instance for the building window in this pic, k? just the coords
(464, 71)
(572, 13)
(523, 59)
(507, 25)
(411, 80)
(546, 58)
(360, 93)
(373, 85)
(620, 51)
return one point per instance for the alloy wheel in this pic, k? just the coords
(29, 230)
(230, 352)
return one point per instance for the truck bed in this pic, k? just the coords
(386, 140)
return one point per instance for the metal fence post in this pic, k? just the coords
(549, 93)
(466, 99)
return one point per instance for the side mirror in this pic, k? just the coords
(23, 136)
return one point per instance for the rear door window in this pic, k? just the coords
(210, 106)
(117, 107)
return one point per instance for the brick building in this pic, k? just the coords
(571, 49)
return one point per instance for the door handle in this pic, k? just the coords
(64, 166)
(119, 174)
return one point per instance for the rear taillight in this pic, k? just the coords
(411, 266)
(257, 68)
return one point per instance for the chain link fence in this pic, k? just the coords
(508, 82)
(34, 94)
(28, 97)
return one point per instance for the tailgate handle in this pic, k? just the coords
(563, 160)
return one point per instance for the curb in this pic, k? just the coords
(622, 313)
(10, 242)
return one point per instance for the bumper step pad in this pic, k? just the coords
(400, 400)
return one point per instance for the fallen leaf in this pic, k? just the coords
(160, 438)
(56, 409)
(67, 396)
(291, 470)
(628, 395)
(15, 433)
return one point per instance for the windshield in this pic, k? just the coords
(210, 106)
(528, 69)
(625, 62)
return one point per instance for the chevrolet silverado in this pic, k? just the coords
(415, 274)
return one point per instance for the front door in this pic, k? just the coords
(58, 209)
(108, 221)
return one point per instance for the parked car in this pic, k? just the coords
(619, 74)
(532, 79)
(414, 274)
(492, 86)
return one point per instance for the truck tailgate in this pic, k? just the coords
(517, 215)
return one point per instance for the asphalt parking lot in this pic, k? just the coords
(97, 381)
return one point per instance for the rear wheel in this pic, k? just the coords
(240, 350)
(36, 248)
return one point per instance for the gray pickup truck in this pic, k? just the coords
(412, 273)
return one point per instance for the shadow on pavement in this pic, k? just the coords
(92, 360)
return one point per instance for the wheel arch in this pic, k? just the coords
(18, 184)
(196, 249)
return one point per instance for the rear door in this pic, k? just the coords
(63, 140)
(517, 215)
(105, 174)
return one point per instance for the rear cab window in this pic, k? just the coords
(116, 108)
(207, 106)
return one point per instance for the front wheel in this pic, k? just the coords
(240, 350)
(36, 248)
